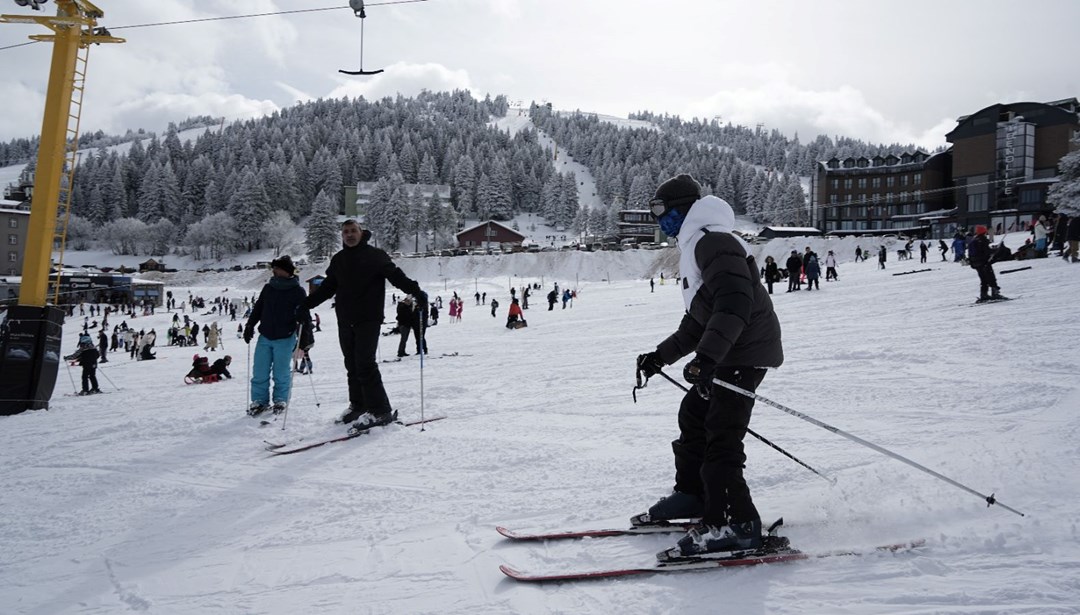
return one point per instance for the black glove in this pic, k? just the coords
(699, 372)
(650, 363)
(249, 332)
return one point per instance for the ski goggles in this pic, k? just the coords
(658, 207)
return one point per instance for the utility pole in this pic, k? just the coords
(31, 343)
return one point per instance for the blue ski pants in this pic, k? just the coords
(272, 358)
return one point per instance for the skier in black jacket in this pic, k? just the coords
(980, 257)
(730, 324)
(356, 278)
(87, 356)
(794, 271)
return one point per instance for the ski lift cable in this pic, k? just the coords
(230, 17)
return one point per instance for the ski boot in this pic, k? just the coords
(257, 408)
(368, 421)
(279, 407)
(720, 541)
(351, 414)
(678, 505)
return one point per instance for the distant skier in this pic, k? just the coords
(87, 356)
(982, 261)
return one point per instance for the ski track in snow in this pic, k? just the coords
(159, 497)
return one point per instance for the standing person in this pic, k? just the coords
(279, 315)
(87, 356)
(730, 324)
(772, 273)
(980, 259)
(924, 248)
(1040, 231)
(813, 271)
(959, 246)
(404, 323)
(882, 256)
(553, 298)
(434, 315)
(858, 254)
(1072, 235)
(794, 270)
(103, 344)
(944, 247)
(830, 267)
(652, 285)
(494, 306)
(478, 298)
(357, 277)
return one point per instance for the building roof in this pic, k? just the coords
(493, 222)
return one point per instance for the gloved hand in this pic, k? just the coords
(421, 302)
(249, 332)
(699, 372)
(650, 363)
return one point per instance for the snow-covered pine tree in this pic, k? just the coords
(415, 219)
(249, 208)
(1065, 195)
(276, 230)
(464, 186)
(321, 231)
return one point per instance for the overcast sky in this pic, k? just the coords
(882, 72)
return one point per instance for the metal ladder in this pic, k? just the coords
(71, 160)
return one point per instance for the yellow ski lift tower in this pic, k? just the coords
(30, 346)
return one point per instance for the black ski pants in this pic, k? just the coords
(709, 457)
(358, 345)
(89, 379)
(987, 280)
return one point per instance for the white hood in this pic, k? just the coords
(709, 213)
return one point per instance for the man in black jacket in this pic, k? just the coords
(794, 270)
(87, 356)
(357, 277)
(730, 324)
(980, 258)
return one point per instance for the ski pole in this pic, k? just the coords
(423, 321)
(248, 382)
(989, 499)
(759, 436)
(107, 378)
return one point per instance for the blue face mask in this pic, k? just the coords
(671, 222)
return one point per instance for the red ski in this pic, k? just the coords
(699, 563)
(654, 527)
(667, 528)
(277, 449)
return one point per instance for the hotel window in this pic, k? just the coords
(847, 183)
(833, 198)
(903, 180)
(860, 212)
(916, 179)
(862, 183)
(13, 239)
(977, 202)
(13, 257)
(13, 223)
(876, 183)
(890, 181)
(849, 198)
(835, 183)
(874, 198)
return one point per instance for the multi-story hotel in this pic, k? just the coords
(997, 171)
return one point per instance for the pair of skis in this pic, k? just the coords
(289, 449)
(775, 550)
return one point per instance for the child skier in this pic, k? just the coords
(279, 316)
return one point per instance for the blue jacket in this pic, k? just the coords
(277, 308)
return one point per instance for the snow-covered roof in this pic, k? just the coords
(476, 226)
(16, 206)
(805, 229)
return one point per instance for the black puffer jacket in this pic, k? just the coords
(1073, 234)
(358, 276)
(276, 310)
(979, 251)
(731, 318)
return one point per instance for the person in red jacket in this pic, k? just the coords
(515, 319)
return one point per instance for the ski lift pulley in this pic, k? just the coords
(358, 10)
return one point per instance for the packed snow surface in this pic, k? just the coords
(158, 497)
